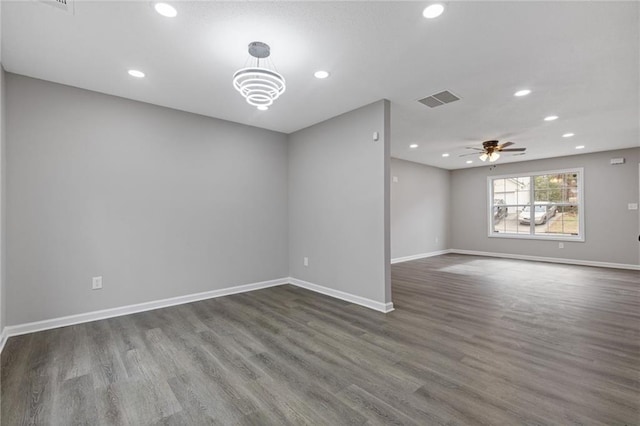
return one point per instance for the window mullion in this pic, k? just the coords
(532, 205)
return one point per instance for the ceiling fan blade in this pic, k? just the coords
(466, 155)
(473, 147)
(504, 145)
(513, 150)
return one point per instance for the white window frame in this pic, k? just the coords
(532, 236)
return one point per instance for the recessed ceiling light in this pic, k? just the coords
(445, 154)
(469, 161)
(523, 92)
(136, 73)
(413, 146)
(568, 135)
(321, 74)
(551, 118)
(580, 147)
(433, 11)
(165, 9)
(263, 107)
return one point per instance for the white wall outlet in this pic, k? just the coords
(394, 179)
(437, 239)
(560, 245)
(96, 283)
(305, 261)
(633, 206)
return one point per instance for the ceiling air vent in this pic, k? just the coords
(65, 5)
(439, 99)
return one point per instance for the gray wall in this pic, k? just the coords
(420, 210)
(159, 202)
(611, 230)
(3, 182)
(337, 191)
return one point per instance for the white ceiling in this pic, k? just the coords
(580, 59)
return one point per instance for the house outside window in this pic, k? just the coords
(540, 205)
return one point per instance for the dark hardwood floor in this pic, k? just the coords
(472, 341)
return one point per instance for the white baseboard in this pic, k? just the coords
(32, 327)
(419, 256)
(3, 338)
(548, 259)
(348, 297)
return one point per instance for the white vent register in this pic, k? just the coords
(441, 98)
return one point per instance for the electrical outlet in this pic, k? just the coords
(560, 245)
(437, 239)
(96, 283)
(305, 261)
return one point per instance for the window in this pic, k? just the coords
(557, 201)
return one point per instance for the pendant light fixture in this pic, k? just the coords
(259, 85)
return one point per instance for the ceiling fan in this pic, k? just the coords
(491, 150)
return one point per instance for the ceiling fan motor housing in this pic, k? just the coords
(490, 146)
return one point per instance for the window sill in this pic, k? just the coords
(574, 238)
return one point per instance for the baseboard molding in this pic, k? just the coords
(32, 327)
(548, 259)
(3, 338)
(419, 256)
(348, 297)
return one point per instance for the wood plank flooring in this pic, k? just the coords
(473, 341)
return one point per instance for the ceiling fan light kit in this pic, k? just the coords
(259, 85)
(493, 156)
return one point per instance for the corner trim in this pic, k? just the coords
(348, 297)
(32, 327)
(549, 259)
(3, 338)
(419, 256)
